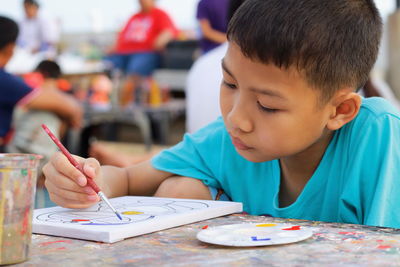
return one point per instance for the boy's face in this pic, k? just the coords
(269, 112)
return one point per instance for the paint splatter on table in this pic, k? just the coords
(331, 245)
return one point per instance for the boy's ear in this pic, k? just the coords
(346, 106)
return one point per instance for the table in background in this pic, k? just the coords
(331, 245)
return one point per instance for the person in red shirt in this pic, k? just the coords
(137, 47)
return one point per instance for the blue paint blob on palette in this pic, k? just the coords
(254, 234)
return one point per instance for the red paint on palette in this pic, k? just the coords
(204, 227)
(80, 220)
(293, 228)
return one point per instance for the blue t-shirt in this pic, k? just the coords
(216, 12)
(12, 90)
(357, 180)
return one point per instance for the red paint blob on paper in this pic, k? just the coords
(293, 228)
(79, 220)
(384, 247)
(204, 227)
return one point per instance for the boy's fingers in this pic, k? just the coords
(70, 204)
(62, 165)
(55, 177)
(67, 195)
(60, 181)
(91, 167)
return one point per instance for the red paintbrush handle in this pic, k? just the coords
(93, 185)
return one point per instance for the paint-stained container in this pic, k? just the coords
(18, 173)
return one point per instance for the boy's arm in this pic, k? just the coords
(140, 179)
(61, 104)
(68, 187)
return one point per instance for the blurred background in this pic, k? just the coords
(127, 117)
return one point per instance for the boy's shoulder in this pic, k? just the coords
(377, 107)
(376, 120)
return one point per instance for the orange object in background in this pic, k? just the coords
(155, 97)
(64, 85)
(33, 79)
(101, 88)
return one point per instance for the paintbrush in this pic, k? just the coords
(90, 181)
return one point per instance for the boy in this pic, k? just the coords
(15, 92)
(296, 140)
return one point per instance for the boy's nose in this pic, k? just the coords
(240, 119)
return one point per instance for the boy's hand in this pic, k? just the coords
(67, 186)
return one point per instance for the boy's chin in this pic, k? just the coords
(253, 157)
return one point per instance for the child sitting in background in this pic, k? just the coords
(14, 92)
(295, 139)
(28, 134)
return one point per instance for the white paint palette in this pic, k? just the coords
(254, 234)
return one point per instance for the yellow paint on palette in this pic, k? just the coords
(132, 212)
(266, 225)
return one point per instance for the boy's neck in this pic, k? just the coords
(298, 169)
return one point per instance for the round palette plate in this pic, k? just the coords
(254, 234)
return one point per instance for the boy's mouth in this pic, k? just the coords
(239, 144)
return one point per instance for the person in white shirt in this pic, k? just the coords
(37, 32)
(203, 82)
(202, 86)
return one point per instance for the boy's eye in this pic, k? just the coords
(229, 85)
(266, 109)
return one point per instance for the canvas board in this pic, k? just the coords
(140, 215)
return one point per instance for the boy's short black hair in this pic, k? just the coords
(8, 31)
(233, 6)
(333, 43)
(49, 69)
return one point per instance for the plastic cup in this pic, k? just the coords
(18, 173)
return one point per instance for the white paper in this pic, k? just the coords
(141, 215)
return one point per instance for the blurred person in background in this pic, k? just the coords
(138, 46)
(37, 32)
(203, 83)
(15, 92)
(28, 134)
(202, 87)
(212, 16)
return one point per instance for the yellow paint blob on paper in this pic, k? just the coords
(266, 225)
(132, 212)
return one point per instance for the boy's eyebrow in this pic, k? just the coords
(225, 68)
(262, 91)
(268, 92)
